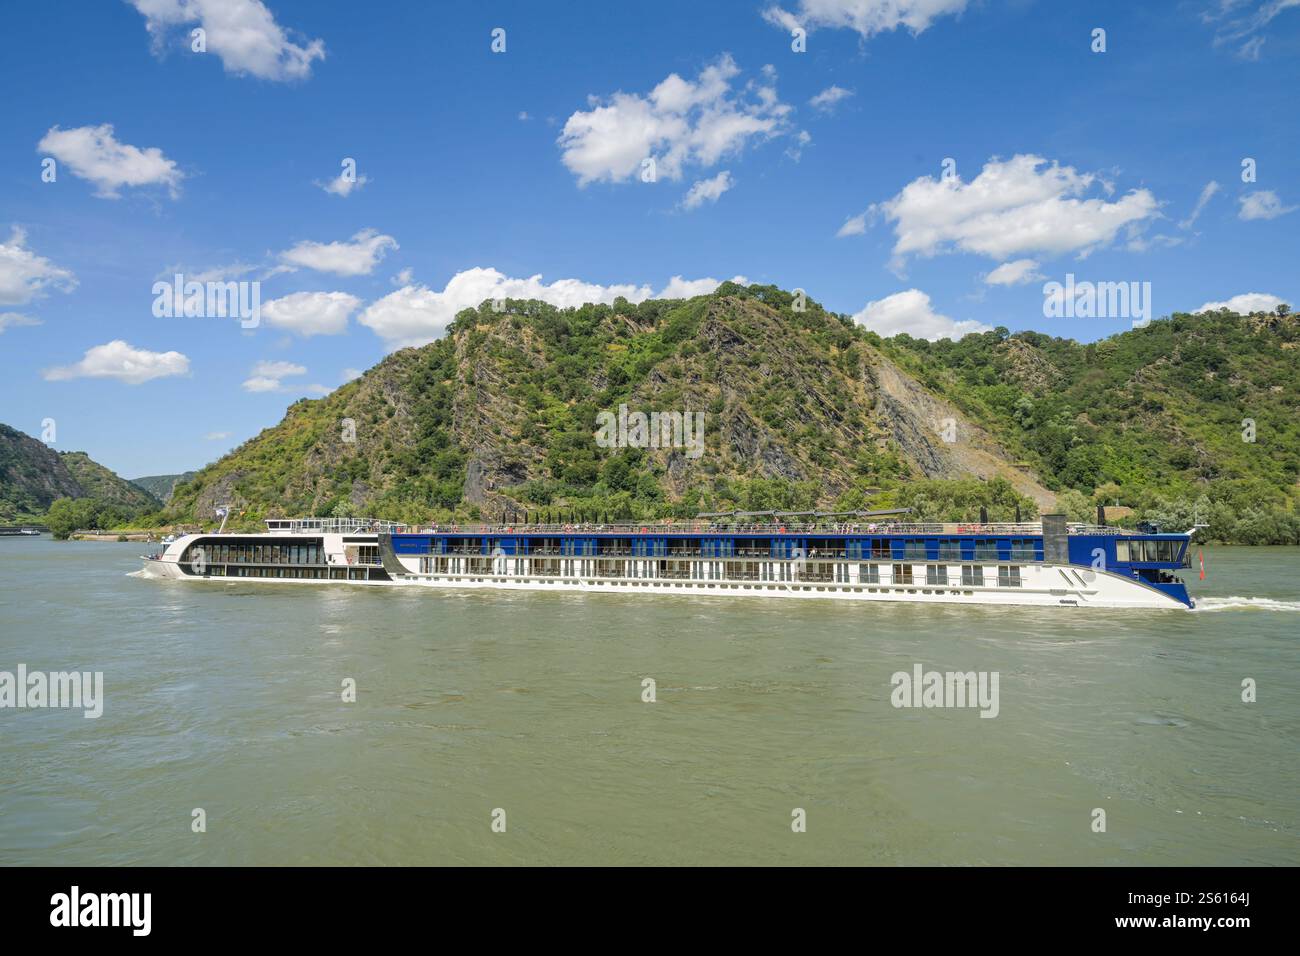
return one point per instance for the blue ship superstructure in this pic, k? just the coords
(881, 557)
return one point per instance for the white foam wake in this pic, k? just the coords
(1244, 604)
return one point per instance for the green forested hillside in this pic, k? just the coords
(1191, 416)
(802, 409)
(34, 479)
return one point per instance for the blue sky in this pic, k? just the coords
(480, 171)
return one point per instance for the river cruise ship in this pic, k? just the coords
(873, 556)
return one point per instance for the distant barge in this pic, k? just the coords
(1052, 563)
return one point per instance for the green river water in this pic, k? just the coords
(228, 698)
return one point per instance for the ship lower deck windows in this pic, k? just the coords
(869, 573)
(936, 574)
(1009, 576)
(902, 574)
(972, 575)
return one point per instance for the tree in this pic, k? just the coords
(68, 515)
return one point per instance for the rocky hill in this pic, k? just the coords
(800, 407)
(162, 486)
(33, 476)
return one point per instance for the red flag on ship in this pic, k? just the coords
(1201, 556)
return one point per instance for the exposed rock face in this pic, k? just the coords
(922, 424)
(474, 482)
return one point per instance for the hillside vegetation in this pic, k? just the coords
(34, 479)
(802, 409)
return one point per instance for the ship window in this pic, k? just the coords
(915, 548)
(986, 548)
(880, 548)
(1122, 551)
(902, 574)
(972, 575)
(1022, 549)
(936, 574)
(869, 573)
(950, 548)
(1008, 576)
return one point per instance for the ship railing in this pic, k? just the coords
(334, 526)
(637, 529)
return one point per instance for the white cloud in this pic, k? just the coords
(1207, 193)
(266, 377)
(94, 154)
(1263, 204)
(912, 313)
(1245, 304)
(866, 17)
(853, 226)
(242, 33)
(350, 374)
(214, 274)
(416, 314)
(311, 313)
(679, 123)
(679, 288)
(829, 98)
(1242, 23)
(802, 139)
(1022, 205)
(355, 258)
(402, 278)
(123, 362)
(1017, 272)
(343, 184)
(216, 436)
(24, 275)
(11, 320)
(708, 190)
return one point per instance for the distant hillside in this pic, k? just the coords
(802, 409)
(34, 476)
(162, 486)
(104, 486)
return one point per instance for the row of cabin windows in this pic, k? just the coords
(1146, 551)
(972, 575)
(936, 575)
(292, 554)
(300, 573)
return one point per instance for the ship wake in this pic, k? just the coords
(1244, 604)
